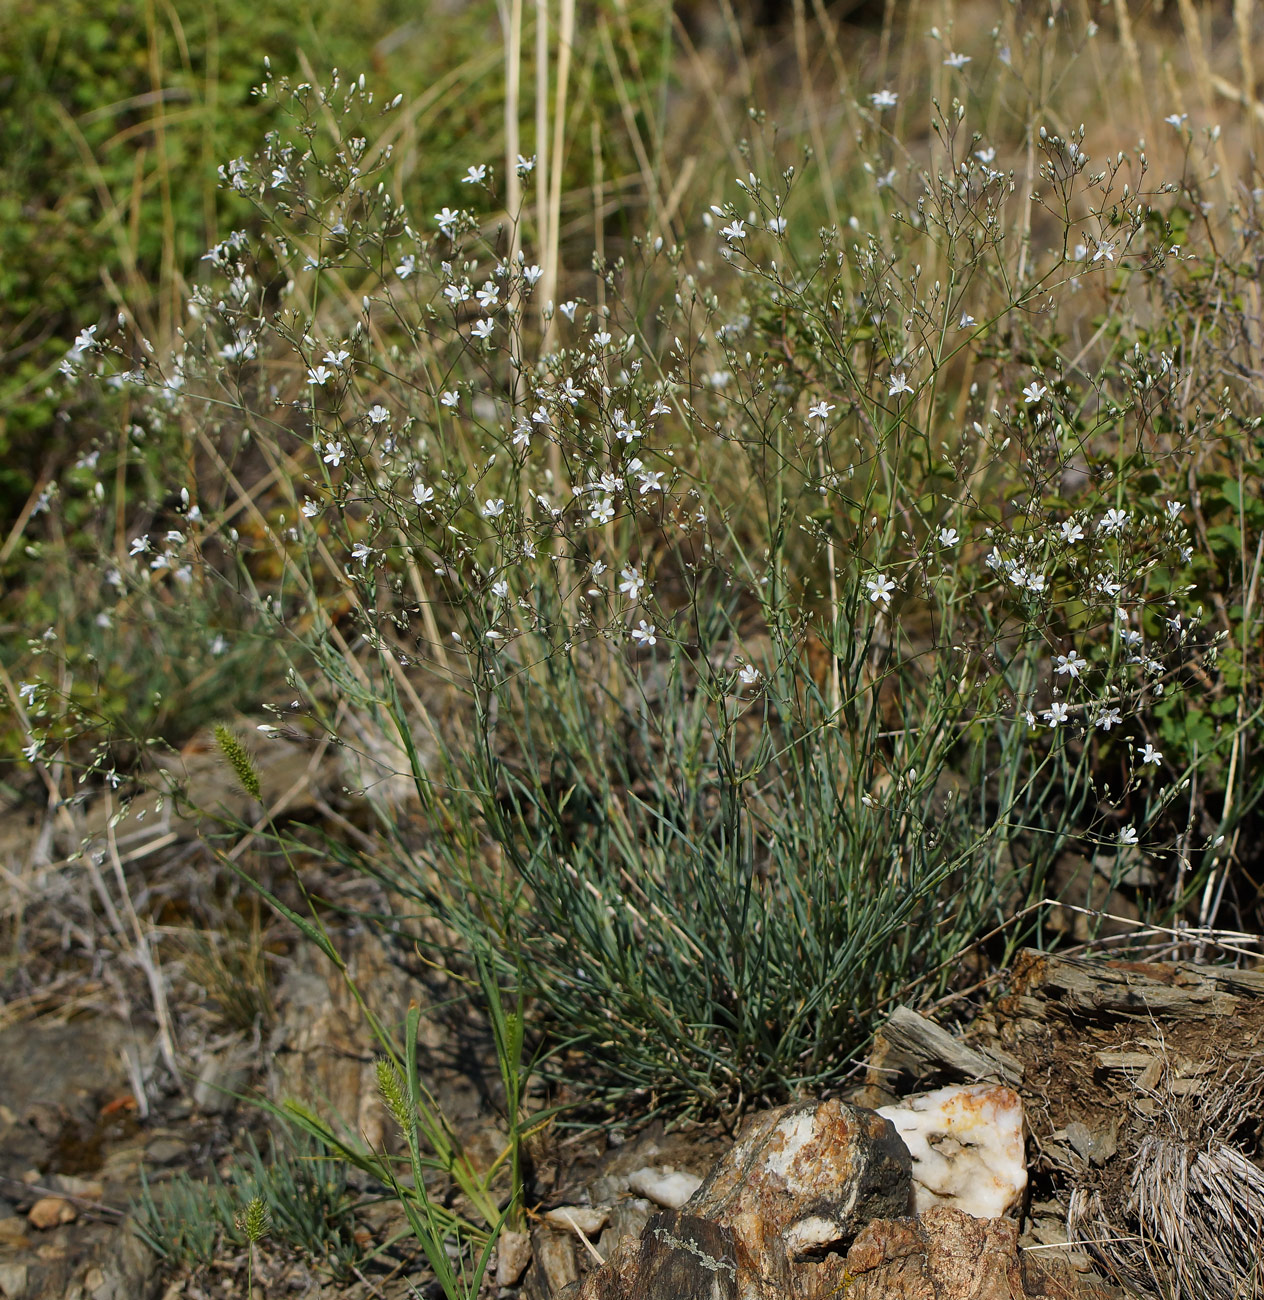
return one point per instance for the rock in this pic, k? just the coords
(86, 1189)
(801, 1180)
(552, 1264)
(165, 1151)
(666, 1187)
(967, 1148)
(12, 1232)
(627, 1219)
(943, 1255)
(13, 1278)
(513, 1254)
(588, 1219)
(51, 1212)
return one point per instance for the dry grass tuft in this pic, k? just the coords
(1189, 1223)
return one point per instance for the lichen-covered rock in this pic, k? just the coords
(801, 1181)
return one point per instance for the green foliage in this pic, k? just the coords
(297, 1194)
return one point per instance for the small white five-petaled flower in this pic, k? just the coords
(880, 589)
(899, 384)
(645, 634)
(1071, 664)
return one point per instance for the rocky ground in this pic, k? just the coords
(128, 1046)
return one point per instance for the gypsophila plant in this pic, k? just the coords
(757, 625)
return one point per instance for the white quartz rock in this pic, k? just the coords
(666, 1187)
(967, 1148)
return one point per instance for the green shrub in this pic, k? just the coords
(790, 601)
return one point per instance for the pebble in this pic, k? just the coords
(666, 1187)
(51, 1212)
(588, 1219)
(165, 1151)
(13, 1281)
(513, 1254)
(12, 1232)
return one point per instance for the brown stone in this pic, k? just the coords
(50, 1212)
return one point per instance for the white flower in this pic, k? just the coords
(522, 435)
(1055, 713)
(310, 508)
(632, 582)
(777, 225)
(1034, 392)
(378, 414)
(446, 220)
(526, 165)
(956, 61)
(531, 274)
(1176, 119)
(1072, 531)
(568, 309)
(423, 494)
(899, 384)
(483, 329)
(1151, 755)
(488, 296)
(880, 589)
(139, 545)
(319, 375)
(571, 392)
(361, 552)
(1070, 664)
(85, 340)
(337, 359)
(28, 690)
(449, 398)
(407, 266)
(602, 512)
(1113, 521)
(493, 508)
(1128, 835)
(884, 99)
(985, 156)
(748, 675)
(500, 589)
(1107, 718)
(599, 567)
(948, 537)
(334, 454)
(1106, 249)
(820, 411)
(966, 321)
(645, 634)
(602, 337)
(651, 481)
(735, 231)
(475, 174)
(456, 293)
